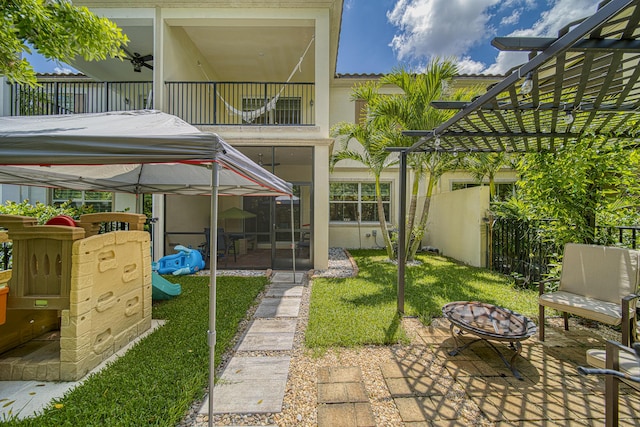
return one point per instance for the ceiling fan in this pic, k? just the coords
(138, 61)
(261, 163)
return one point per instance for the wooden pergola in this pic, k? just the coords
(582, 84)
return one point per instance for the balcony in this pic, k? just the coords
(198, 103)
(75, 97)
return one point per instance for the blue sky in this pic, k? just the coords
(378, 35)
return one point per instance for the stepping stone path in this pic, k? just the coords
(252, 383)
(343, 399)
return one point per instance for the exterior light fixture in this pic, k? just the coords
(568, 118)
(527, 84)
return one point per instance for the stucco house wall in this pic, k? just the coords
(457, 226)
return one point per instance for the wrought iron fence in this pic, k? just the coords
(242, 103)
(623, 236)
(73, 97)
(527, 250)
(520, 248)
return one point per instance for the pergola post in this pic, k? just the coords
(402, 230)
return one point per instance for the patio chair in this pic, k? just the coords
(225, 246)
(618, 363)
(304, 242)
(598, 283)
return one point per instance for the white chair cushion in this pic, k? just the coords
(590, 308)
(628, 363)
(600, 272)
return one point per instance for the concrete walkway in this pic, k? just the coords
(255, 378)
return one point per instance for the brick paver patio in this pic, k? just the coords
(432, 388)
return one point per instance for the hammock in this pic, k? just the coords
(248, 116)
(251, 115)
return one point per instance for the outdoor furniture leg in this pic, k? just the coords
(541, 288)
(611, 387)
(455, 341)
(459, 349)
(509, 364)
(565, 315)
(541, 323)
(512, 363)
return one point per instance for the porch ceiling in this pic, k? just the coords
(250, 53)
(591, 71)
(234, 52)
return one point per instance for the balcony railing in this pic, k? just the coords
(198, 103)
(242, 103)
(72, 97)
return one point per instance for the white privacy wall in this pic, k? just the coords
(456, 225)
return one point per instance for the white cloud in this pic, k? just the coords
(439, 27)
(511, 19)
(452, 28)
(63, 70)
(550, 23)
(506, 61)
(466, 65)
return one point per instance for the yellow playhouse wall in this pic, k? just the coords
(110, 300)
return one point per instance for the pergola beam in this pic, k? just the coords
(536, 44)
(558, 47)
(549, 106)
(480, 134)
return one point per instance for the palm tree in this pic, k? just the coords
(370, 151)
(412, 110)
(486, 165)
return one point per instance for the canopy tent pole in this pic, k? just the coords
(213, 266)
(293, 238)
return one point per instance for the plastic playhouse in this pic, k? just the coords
(74, 296)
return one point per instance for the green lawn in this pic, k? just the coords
(157, 380)
(363, 310)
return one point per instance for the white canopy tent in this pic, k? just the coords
(135, 152)
(159, 178)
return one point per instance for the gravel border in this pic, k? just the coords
(300, 399)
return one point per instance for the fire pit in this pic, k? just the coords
(489, 322)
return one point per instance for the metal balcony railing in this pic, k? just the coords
(198, 103)
(73, 97)
(242, 103)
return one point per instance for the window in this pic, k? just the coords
(504, 190)
(101, 201)
(347, 200)
(287, 112)
(361, 111)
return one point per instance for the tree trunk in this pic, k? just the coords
(383, 222)
(413, 206)
(422, 226)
